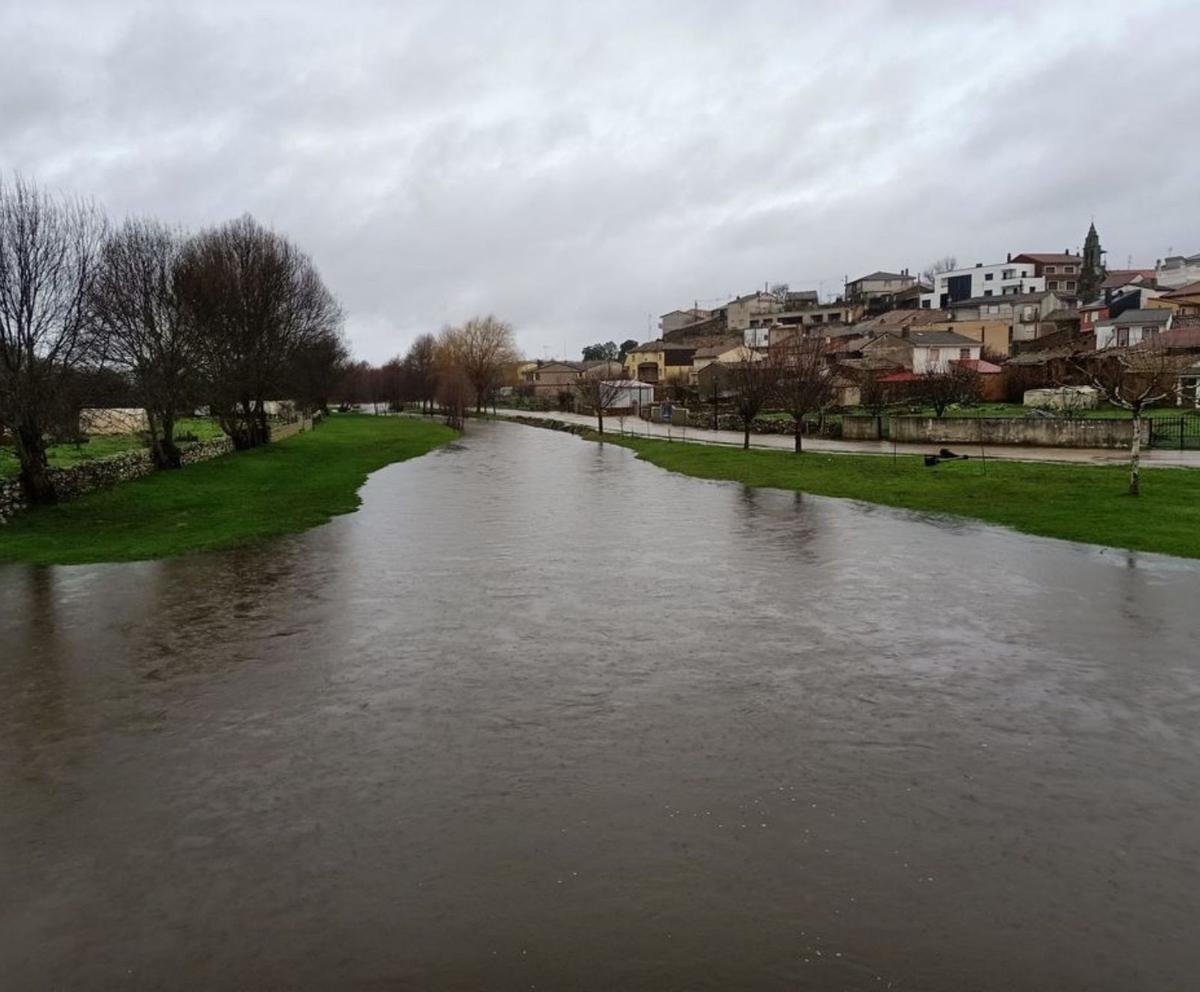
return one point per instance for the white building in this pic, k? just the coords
(1177, 270)
(933, 351)
(1001, 279)
(1132, 327)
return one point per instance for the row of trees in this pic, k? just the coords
(454, 369)
(230, 318)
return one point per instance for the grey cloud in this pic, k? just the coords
(576, 167)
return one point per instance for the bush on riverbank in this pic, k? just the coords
(281, 488)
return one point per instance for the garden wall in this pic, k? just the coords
(1047, 432)
(105, 472)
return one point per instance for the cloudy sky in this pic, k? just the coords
(579, 168)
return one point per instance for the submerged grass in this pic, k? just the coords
(237, 499)
(1087, 503)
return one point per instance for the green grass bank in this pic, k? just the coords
(237, 499)
(1077, 503)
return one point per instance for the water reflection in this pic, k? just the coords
(542, 715)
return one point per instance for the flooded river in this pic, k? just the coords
(540, 716)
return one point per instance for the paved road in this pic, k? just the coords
(1092, 456)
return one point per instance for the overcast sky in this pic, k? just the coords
(580, 168)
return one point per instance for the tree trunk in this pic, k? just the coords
(746, 436)
(1135, 455)
(799, 432)
(164, 450)
(35, 474)
(600, 418)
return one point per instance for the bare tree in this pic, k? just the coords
(600, 393)
(48, 252)
(258, 300)
(939, 388)
(454, 394)
(317, 367)
(421, 370)
(147, 335)
(483, 348)
(1133, 379)
(754, 381)
(947, 263)
(806, 383)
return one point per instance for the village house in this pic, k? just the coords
(1185, 300)
(998, 279)
(739, 312)
(678, 319)
(729, 351)
(1024, 313)
(920, 352)
(1132, 327)
(1090, 314)
(1061, 272)
(877, 291)
(659, 361)
(549, 378)
(759, 333)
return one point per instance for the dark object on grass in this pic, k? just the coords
(945, 455)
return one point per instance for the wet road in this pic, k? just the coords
(541, 716)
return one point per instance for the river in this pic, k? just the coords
(540, 716)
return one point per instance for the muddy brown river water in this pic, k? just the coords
(540, 716)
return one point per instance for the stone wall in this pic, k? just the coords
(732, 422)
(280, 431)
(1046, 432)
(860, 428)
(102, 473)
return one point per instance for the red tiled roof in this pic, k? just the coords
(899, 377)
(978, 365)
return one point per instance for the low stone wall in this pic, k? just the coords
(1046, 432)
(552, 425)
(860, 428)
(280, 431)
(102, 473)
(732, 422)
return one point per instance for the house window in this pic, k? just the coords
(1052, 284)
(935, 355)
(1070, 285)
(964, 354)
(1049, 269)
(988, 276)
(1069, 269)
(1007, 274)
(987, 292)
(1122, 337)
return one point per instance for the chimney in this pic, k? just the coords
(979, 265)
(1009, 258)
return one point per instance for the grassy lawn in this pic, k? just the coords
(101, 446)
(1078, 503)
(278, 489)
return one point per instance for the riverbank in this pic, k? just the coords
(1087, 503)
(281, 488)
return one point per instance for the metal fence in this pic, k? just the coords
(1175, 432)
